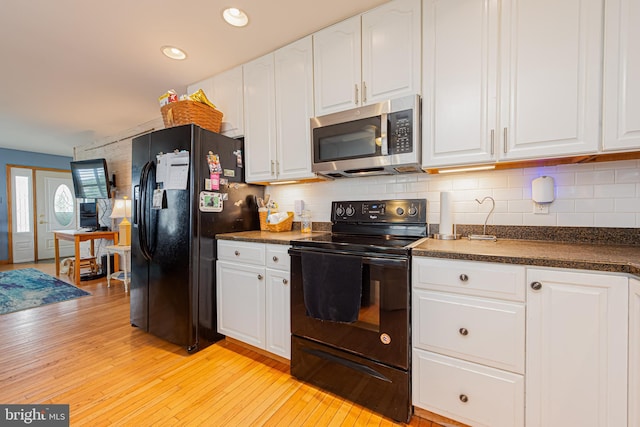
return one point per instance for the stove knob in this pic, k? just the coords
(399, 211)
(340, 210)
(350, 211)
(413, 211)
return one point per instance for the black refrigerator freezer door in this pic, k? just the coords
(139, 290)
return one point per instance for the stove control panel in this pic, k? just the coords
(376, 211)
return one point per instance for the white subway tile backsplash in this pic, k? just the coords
(520, 206)
(562, 206)
(615, 219)
(547, 220)
(563, 179)
(599, 194)
(627, 205)
(508, 219)
(594, 205)
(620, 164)
(508, 194)
(498, 181)
(617, 190)
(595, 177)
(574, 192)
(576, 220)
(627, 175)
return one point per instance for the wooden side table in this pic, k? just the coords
(77, 236)
(122, 250)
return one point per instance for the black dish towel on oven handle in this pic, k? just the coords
(332, 286)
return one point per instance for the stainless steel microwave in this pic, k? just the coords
(376, 139)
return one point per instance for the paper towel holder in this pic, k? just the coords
(542, 190)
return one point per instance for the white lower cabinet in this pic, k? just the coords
(634, 352)
(471, 327)
(467, 392)
(576, 370)
(468, 349)
(253, 294)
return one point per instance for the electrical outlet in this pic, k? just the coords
(540, 208)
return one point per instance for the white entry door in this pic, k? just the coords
(56, 210)
(22, 231)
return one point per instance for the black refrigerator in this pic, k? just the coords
(179, 206)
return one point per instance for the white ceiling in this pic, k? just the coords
(74, 71)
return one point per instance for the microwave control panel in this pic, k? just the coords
(400, 133)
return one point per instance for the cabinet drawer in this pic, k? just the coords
(485, 331)
(486, 279)
(278, 257)
(244, 252)
(473, 394)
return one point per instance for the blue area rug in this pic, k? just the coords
(28, 288)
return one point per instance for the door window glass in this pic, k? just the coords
(22, 197)
(63, 205)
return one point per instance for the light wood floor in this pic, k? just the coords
(84, 353)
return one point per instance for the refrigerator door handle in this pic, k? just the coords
(143, 239)
(136, 201)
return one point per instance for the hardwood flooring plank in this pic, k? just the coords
(85, 353)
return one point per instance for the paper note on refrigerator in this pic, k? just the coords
(177, 172)
(161, 167)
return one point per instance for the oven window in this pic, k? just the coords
(369, 315)
(355, 139)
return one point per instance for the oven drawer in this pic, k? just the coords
(244, 252)
(485, 279)
(473, 394)
(278, 257)
(374, 385)
(485, 331)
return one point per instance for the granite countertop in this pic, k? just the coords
(257, 236)
(599, 257)
(578, 255)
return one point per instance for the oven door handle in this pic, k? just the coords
(386, 262)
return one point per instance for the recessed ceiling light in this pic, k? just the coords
(235, 17)
(173, 52)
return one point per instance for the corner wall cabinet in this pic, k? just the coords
(278, 103)
(368, 58)
(253, 295)
(496, 87)
(621, 91)
(224, 90)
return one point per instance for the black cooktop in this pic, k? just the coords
(377, 226)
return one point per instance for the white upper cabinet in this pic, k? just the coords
(621, 116)
(550, 78)
(336, 65)
(294, 109)
(260, 119)
(460, 80)
(368, 58)
(278, 102)
(225, 91)
(510, 80)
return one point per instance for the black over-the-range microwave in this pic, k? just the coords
(376, 139)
